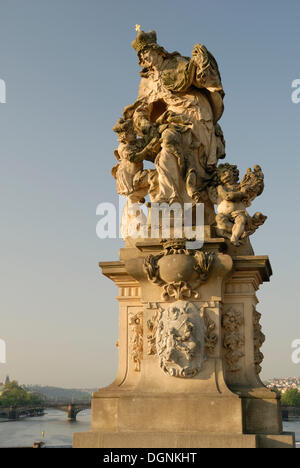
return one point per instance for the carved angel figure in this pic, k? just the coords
(233, 197)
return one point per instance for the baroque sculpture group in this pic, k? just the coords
(189, 332)
(174, 124)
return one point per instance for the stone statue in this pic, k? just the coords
(180, 99)
(174, 124)
(132, 180)
(179, 103)
(233, 221)
(189, 333)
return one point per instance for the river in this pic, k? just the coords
(58, 431)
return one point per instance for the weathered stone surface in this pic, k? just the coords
(208, 394)
(173, 124)
(233, 221)
(189, 332)
(180, 440)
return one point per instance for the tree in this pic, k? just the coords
(291, 397)
(276, 390)
(14, 395)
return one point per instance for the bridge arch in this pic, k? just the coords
(72, 408)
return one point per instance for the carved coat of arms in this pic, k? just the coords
(180, 340)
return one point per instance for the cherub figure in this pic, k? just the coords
(126, 169)
(233, 197)
(132, 181)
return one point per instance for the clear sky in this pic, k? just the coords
(69, 70)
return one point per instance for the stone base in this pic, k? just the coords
(131, 419)
(180, 440)
(167, 413)
(189, 353)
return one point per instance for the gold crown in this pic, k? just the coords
(144, 40)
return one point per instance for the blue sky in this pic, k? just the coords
(69, 70)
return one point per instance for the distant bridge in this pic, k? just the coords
(13, 412)
(72, 409)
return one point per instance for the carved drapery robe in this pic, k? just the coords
(184, 90)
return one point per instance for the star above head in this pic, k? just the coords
(138, 27)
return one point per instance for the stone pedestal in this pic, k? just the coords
(189, 352)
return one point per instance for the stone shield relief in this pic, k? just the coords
(180, 340)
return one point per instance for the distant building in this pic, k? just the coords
(2, 385)
(285, 384)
